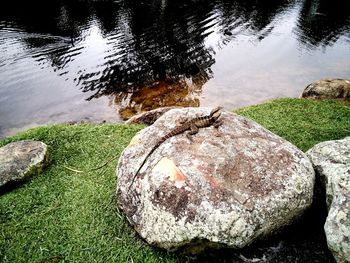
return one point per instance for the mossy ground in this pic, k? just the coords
(67, 216)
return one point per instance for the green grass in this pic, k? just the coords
(65, 216)
(302, 122)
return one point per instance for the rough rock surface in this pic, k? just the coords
(328, 89)
(148, 117)
(21, 160)
(331, 160)
(230, 185)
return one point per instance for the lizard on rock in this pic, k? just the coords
(191, 126)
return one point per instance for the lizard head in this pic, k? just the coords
(215, 113)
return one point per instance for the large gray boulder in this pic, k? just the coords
(331, 160)
(227, 186)
(328, 89)
(21, 160)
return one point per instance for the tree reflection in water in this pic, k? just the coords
(165, 60)
(155, 51)
(322, 22)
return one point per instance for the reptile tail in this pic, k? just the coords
(143, 163)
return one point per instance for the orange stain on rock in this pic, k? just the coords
(168, 167)
(178, 175)
(134, 141)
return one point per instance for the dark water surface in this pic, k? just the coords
(66, 60)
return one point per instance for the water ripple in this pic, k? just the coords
(140, 52)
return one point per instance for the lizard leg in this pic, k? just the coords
(193, 130)
(217, 124)
(181, 120)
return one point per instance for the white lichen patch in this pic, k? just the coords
(331, 159)
(219, 226)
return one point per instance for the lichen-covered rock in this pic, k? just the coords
(331, 160)
(229, 185)
(148, 117)
(328, 89)
(21, 160)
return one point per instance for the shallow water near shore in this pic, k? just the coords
(108, 60)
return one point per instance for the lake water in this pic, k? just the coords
(65, 60)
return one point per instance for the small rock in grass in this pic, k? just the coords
(20, 160)
(328, 89)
